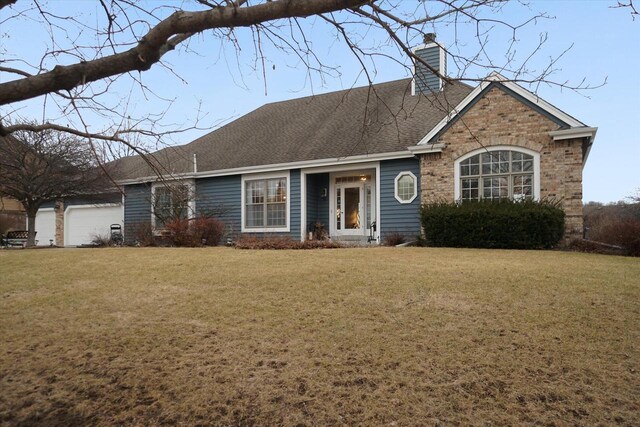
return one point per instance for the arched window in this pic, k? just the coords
(498, 173)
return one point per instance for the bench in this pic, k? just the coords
(16, 238)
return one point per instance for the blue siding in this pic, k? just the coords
(313, 194)
(425, 81)
(396, 217)
(295, 197)
(137, 209)
(220, 197)
(317, 207)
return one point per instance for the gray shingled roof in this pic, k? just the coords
(366, 120)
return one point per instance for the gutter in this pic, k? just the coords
(588, 133)
(305, 164)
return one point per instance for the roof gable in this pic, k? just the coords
(496, 80)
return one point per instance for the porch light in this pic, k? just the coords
(363, 178)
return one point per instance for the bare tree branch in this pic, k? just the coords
(159, 40)
(4, 3)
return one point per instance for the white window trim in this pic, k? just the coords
(536, 167)
(253, 177)
(415, 187)
(335, 171)
(191, 206)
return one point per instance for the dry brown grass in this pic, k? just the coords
(382, 336)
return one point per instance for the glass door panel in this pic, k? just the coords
(338, 208)
(352, 208)
(368, 196)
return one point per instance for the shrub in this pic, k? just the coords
(394, 239)
(253, 242)
(194, 232)
(143, 235)
(178, 234)
(621, 232)
(319, 232)
(500, 223)
(208, 231)
(589, 246)
(100, 240)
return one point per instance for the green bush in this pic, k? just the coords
(501, 223)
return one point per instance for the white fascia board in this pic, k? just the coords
(531, 97)
(454, 112)
(497, 78)
(428, 148)
(583, 132)
(278, 166)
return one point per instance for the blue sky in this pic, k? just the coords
(605, 45)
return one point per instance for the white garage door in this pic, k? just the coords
(82, 223)
(45, 226)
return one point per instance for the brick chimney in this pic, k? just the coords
(424, 80)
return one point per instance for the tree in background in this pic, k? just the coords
(615, 223)
(40, 167)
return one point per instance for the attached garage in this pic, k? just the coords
(83, 222)
(46, 227)
(80, 221)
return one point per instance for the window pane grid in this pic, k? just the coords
(495, 162)
(406, 187)
(497, 174)
(265, 203)
(276, 214)
(523, 186)
(471, 166)
(470, 189)
(171, 202)
(352, 178)
(495, 187)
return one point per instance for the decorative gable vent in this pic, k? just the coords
(424, 80)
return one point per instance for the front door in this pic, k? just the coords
(353, 206)
(349, 210)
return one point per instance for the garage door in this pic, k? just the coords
(45, 226)
(82, 223)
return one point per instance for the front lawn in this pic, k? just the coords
(380, 336)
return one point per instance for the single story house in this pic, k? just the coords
(360, 162)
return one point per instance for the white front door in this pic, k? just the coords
(349, 210)
(353, 205)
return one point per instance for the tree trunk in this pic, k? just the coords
(31, 226)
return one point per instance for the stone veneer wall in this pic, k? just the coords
(59, 211)
(500, 119)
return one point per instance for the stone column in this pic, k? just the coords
(59, 210)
